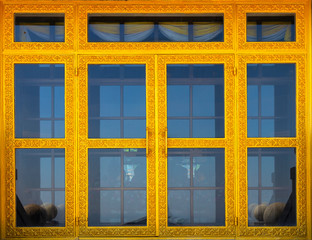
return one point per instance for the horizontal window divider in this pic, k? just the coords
(268, 188)
(117, 118)
(197, 143)
(42, 142)
(116, 143)
(270, 142)
(196, 188)
(116, 188)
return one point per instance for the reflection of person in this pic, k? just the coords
(139, 176)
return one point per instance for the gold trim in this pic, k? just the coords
(84, 143)
(299, 142)
(11, 144)
(157, 8)
(227, 143)
(10, 10)
(298, 10)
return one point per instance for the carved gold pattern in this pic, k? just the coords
(84, 143)
(67, 143)
(298, 10)
(157, 8)
(227, 143)
(10, 10)
(299, 142)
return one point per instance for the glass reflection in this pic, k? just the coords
(272, 186)
(196, 187)
(271, 100)
(116, 101)
(117, 187)
(271, 29)
(195, 101)
(39, 101)
(40, 187)
(155, 29)
(32, 28)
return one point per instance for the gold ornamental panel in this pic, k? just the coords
(67, 143)
(9, 14)
(299, 142)
(227, 143)
(299, 12)
(84, 143)
(153, 9)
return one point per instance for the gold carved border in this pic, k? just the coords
(298, 10)
(84, 143)
(227, 143)
(10, 10)
(11, 144)
(299, 142)
(156, 8)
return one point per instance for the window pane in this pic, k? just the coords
(271, 29)
(43, 28)
(272, 186)
(155, 29)
(117, 101)
(195, 101)
(271, 100)
(40, 187)
(117, 187)
(39, 101)
(196, 187)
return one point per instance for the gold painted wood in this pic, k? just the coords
(227, 143)
(300, 142)
(297, 10)
(11, 143)
(84, 143)
(155, 8)
(11, 9)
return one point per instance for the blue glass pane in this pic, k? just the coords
(178, 128)
(272, 186)
(134, 206)
(116, 101)
(272, 90)
(39, 28)
(179, 207)
(178, 101)
(39, 100)
(195, 100)
(40, 187)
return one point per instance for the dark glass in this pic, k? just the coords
(196, 187)
(195, 101)
(271, 100)
(40, 187)
(271, 29)
(39, 101)
(35, 28)
(272, 186)
(117, 101)
(117, 187)
(155, 29)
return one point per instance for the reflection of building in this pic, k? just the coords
(155, 119)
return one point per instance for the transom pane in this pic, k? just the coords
(117, 101)
(155, 29)
(271, 29)
(272, 186)
(271, 104)
(40, 187)
(195, 101)
(117, 187)
(196, 187)
(39, 28)
(39, 101)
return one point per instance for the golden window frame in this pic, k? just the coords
(227, 143)
(299, 12)
(156, 8)
(299, 142)
(12, 143)
(84, 143)
(11, 9)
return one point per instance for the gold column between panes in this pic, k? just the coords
(227, 143)
(299, 142)
(84, 143)
(12, 143)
